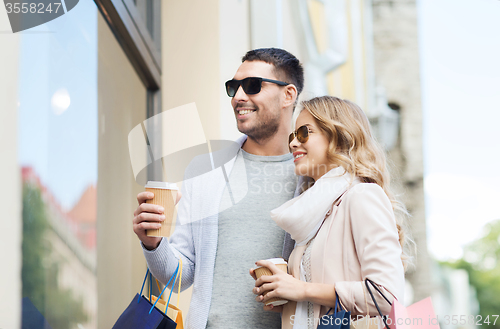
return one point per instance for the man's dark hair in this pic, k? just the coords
(286, 66)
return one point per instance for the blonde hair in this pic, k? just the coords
(353, 147)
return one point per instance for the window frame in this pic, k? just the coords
(133, 36)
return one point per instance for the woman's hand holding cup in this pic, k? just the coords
(265, 275)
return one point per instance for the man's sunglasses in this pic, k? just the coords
(302, 134)
(251, 86)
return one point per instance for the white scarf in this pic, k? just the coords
(302, 216)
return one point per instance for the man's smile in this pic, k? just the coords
(244, 112)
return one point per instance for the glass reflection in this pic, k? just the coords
(58, 160)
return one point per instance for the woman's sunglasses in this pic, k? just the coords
(251, 86)
(302, 134)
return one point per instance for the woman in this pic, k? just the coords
(343, 225)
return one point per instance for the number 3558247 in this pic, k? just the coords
(32, 8)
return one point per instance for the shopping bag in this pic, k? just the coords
(141, 314)
(337, 320)
(172, 312)
(384, 317)
(365, 322)
(420, 315)
(175, 313)
(31, 316)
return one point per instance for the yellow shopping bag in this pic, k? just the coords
(365, 322)
(173, 312)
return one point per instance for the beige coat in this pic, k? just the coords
(358, 240)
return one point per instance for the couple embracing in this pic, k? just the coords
(317, 195)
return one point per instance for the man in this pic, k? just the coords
(218, 249)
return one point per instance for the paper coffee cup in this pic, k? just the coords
(261, 270)
(165, 195)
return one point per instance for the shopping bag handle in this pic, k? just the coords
(180, 282)
(142, 288)
(150, 285)
(174, 276)
(374, 301)
(337, 304)
(378, 289)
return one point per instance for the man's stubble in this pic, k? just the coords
(266, 125)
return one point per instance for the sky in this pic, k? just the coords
(460, 79)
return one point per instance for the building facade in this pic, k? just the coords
(397, 70)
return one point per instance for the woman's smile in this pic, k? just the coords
(298, 155)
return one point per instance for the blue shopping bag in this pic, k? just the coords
(31, 316)
(337, 320)
(141, 314)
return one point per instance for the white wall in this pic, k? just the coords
(234, 42)
(122, 105)
(10, 188)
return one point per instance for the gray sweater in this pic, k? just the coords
(195, 240)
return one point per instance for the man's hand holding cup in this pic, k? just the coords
(154, 216)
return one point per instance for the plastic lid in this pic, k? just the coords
(162, 185)
(276, 261)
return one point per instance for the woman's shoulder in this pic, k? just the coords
(367, 193)
(367, 203)
(365, 188)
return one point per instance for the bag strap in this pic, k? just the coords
(354, 323)
(180, 282)
(374, 301)
(174, 276)
(338, 305)
(158, 284)
(328, 213)
(366, 302)
(150, 284)
(335, 203)
(378, 289)
(142, 288)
